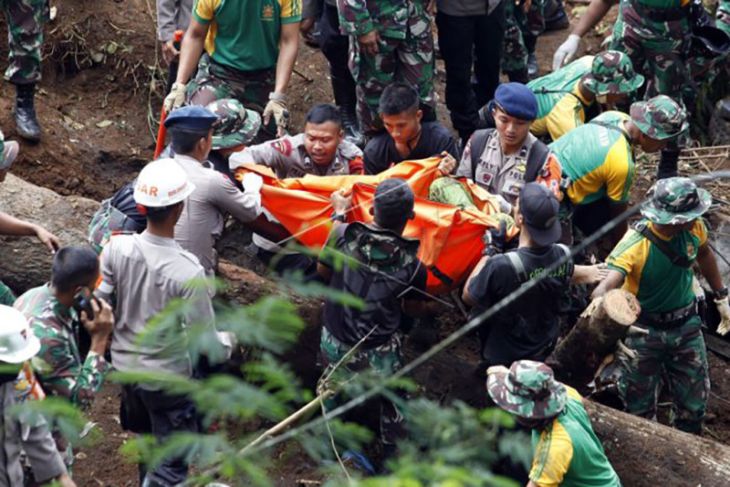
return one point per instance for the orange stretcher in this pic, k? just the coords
(450, 238)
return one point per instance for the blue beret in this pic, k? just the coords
(516, 100)
(192, 117)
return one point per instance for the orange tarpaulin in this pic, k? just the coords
(451, 238)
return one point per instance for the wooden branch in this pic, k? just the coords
(286, 422)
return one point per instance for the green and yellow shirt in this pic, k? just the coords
(560, 104)
(568, 453)
(659, 285)
(244, 34)
(598, 160)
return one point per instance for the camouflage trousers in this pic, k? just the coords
(7, 297)
(679, 357)
(385, 360)
(25, 19)
(521, 32)
(409, 60)
(214, 81)
(657, 50)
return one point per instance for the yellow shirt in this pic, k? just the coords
(567, 114)
(598, 160)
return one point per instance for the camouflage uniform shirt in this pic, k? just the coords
(59, 364)
(391, 18)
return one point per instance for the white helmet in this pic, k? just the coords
(17, 341)
(162, 183)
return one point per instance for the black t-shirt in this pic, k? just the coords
(529, 325)
(382, 293)
(380, 153)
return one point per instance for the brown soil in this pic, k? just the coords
(98, 103)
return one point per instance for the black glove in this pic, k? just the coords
(495, 240)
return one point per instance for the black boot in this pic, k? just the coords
(351, 126)
(25, 117)
(555, 16)
(343, 88)
(668, 164)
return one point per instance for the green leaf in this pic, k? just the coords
(58, 413)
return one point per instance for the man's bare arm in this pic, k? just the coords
(190, 50)
(613, 280)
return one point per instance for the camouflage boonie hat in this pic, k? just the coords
(528, 389)
(674, 201)
(235, 126)
(612, 74)
(660, 118)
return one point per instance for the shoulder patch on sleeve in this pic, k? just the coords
(283, 146)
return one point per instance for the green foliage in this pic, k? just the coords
(448, 446)
(60, 415)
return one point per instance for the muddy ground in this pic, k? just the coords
(98, 103)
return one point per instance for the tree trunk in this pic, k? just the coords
(25, 262)
(603, 323)
(646, 453)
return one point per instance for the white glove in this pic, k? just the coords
(176, 98)
(566, 52)
(252, 183)
(723, 307)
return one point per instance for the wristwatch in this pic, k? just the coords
(338, 217)
(720, 293)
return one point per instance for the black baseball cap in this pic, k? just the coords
(539, 208)
(394, 199)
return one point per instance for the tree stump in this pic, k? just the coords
(604, 322)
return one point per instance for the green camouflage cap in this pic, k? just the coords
(236, 125)
(660, 118)
(674, 201)
(528, 389)
(612, 74)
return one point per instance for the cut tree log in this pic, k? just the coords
(603, 323)
(26, 262)
(647, 453)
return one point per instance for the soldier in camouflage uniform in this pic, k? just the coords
(656, 35)
(55, 314)
(25, 19)
(598, 158)
(520, 38)
(653, 261)
(386, 285)
(566, 451)
(391, 40)
(576, 93)
(250, 50)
